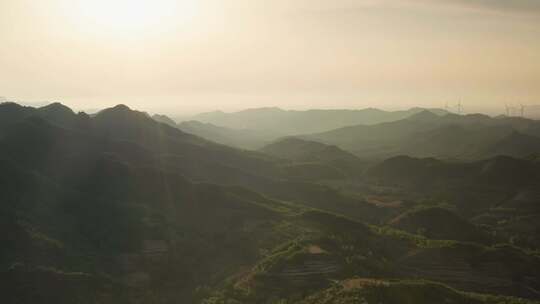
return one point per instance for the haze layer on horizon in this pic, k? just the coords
(190, 56)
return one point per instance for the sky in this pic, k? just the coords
(188, 56)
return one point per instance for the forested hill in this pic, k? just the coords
(119, 208)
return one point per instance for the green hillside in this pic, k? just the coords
(119, 208)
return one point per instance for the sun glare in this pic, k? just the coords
(134, 16)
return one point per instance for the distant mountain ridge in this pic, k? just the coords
(291, 122)
(240, 138)
(426, 134)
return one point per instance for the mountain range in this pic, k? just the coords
(426, 134)
(117, 207)
(254, 128)
(289, 122)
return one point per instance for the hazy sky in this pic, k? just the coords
(189, 55)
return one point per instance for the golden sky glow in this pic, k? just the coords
(195, 55)
(126, 17)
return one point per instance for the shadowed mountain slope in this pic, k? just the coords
(164, 119)
(315, 159)
(440, 224)
(500, 171)
(306, 151)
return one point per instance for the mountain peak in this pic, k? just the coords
(121, 107)
(57, 108)
(118, 109)
(424, 115)
(122, 113)
(9, 106)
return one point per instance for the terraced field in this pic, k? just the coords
(316, 269)
(460, 272)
